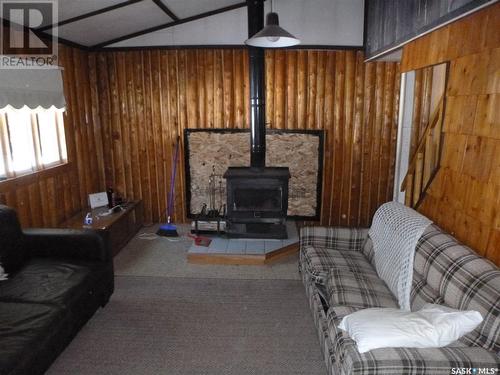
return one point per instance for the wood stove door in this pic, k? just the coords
(256, 200)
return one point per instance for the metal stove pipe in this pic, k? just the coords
(257, 87)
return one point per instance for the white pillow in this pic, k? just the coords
(3, 275)
(433, 326)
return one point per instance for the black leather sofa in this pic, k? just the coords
(57, 280)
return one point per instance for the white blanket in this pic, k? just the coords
(395, 232)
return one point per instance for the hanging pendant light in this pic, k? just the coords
(272, 35)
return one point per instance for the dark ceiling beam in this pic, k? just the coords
(323, 47)
(90, 14)
(170, 24)
(48, 37)
(165, 8)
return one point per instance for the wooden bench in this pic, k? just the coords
(117, 229)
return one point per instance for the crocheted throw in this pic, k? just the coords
(395, 232)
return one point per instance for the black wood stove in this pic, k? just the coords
(257, 202)
(257, 196)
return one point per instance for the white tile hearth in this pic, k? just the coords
(246, 246)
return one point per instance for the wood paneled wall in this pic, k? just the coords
(357, 106)
(49, 197)
(147, 99)
(126, 110)
(464, 199)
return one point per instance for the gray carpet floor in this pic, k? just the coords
(173, 325)
(167, 257)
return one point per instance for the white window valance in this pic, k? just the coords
(33, 88)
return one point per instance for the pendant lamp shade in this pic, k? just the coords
(272, 35)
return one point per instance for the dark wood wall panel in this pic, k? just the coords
(392, 22)
(49, 197)
(126, 110)
(464, 198)
(356, 104)
(147, 98)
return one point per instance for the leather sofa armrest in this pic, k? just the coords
(66, 243)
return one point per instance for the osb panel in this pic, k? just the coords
(213, 152)
(299, 152)
(464, 199)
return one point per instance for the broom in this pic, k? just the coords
(169, 229)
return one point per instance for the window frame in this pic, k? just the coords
(6, 150)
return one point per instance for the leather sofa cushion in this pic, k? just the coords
(51, 281)
(12, 253)
(25, 327)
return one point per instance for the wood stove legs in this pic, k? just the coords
(257, 230)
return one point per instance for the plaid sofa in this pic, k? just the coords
(338, 272)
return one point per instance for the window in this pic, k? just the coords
(30, 141)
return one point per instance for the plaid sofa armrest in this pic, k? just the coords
(338, 238)
(397, 361)
(429, 361)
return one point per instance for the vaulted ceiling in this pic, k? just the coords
(104, 22)
(139, 23)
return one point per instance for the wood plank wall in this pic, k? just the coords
(147, 98)
(126, 110)
(464, 199)
(357, 106)
(49, 197)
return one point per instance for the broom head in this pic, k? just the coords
(167, 230)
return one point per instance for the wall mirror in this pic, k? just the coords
(420, 133)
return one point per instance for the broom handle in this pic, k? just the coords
(171, 196)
